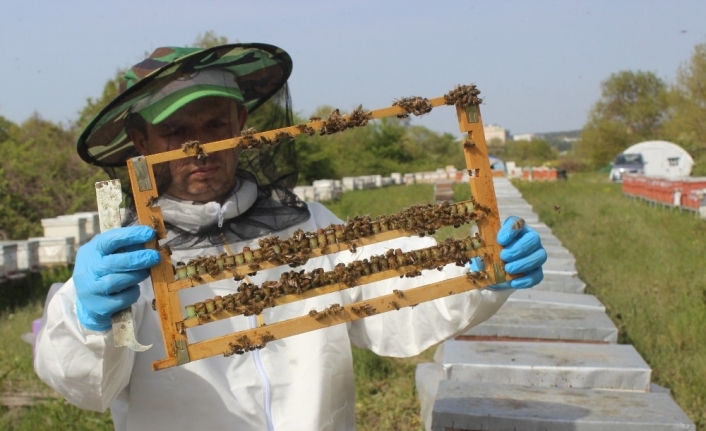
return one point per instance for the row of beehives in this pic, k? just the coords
(548, 360)
(62, 237)
(531, 173)
(687, 193)
(326, 190)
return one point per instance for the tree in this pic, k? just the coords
(687, 101)
(209, 40)
(632, 108)
(42, 177)
(529, 153)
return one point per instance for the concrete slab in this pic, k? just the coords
(544, 298)
(564, 365)
(462, 405)
(555, 262)
(555, 281)
(527, 321)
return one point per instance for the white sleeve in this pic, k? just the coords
(409, 331)
(82, 365)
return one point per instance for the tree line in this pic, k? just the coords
(41, 175)
(638, 106)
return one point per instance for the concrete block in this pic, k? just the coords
(521, 320)
(542, 298)
(565, 365)
(560, 282)
(462, 405)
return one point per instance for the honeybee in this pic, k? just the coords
(190, 145)
(150, 201)
(519, 224)
(351, 246)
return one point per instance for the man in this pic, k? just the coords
(228, 199)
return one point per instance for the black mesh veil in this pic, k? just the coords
(272, 168)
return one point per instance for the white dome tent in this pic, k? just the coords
(663, 159)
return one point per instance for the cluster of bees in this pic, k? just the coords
(336, 122)
(252, 299)
(463, 96)
(413, 105)
(244, 344)
(296, 250)
(193, 146)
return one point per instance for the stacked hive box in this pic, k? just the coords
(548, 360)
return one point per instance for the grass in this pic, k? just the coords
(22, 302)
(646, 265)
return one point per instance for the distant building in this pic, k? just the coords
(524, 137)
(493, 131)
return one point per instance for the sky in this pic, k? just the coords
(539, 64)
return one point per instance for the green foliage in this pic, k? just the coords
(383, 147)
(209, 39)
(530, 153)
(645, 265)
(687, 101)
(632, 109)
(42, 177)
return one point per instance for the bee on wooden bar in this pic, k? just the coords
(283, 135)
(266, 337)
(191, 145)
(368, 309)
(468, 144)
(306, 129)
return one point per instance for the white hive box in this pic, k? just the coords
(8, 258)
(55, 250)
(27, 255)
(68, 226)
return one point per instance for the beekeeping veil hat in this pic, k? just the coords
(253, 74)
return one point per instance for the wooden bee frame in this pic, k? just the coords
(482, 209)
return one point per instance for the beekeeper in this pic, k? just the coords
(229, 200)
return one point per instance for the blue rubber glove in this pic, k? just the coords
(106, 277)
(522, 253)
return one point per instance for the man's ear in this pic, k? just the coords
(139, 139)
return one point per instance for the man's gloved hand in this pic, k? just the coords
(522, 253)
(106, 277)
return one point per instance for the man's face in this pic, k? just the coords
(208, 119)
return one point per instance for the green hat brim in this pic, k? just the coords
(260, 70)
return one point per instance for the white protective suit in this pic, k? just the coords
(304, 382)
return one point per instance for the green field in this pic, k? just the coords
(642, 262)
